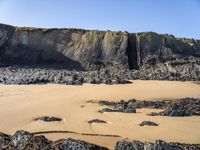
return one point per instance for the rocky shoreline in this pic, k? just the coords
(46, 74)
(23, 140)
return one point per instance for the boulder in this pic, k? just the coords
(148, 123)
(48, 119)
(96, 121)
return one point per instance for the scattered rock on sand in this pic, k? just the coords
(148, 123)
(121, 106)
(48, 119)
(96, 121)
(181, 107)
(172, 113)
(123, 110)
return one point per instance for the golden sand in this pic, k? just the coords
(20, 104)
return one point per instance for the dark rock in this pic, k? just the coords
(20, 139)
(106, 110)
(48, 119)
(175, 113)
(71, 144)
(126, 145)
(148, 123)
(158, 145)
(130, 110)
(122, 81)
(108, 81)
(181, 107)
(40, 143)
(136, 104)
(96, 121)
(106, 103)
(153, 114)
(119, 109)
(4, 140)
(23, 140)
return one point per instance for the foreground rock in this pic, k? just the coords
(48, 119)
(71, 144)
(148, 123)
(158, 145)
(180, 108)
(23, 140)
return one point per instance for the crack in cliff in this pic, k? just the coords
(132, 52)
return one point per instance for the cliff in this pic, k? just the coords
(73, 48)
(89, 50)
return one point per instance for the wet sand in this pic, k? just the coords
(20, 104)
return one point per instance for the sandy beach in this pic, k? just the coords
(21, 104)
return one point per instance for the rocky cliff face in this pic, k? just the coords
(74, 49)
(156, 56)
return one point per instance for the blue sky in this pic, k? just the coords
(178, 17)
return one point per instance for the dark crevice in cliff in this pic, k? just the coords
(132, 52)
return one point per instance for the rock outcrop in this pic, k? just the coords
(123, 55)
(179, 108)
(23, 140)
(157, 145)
